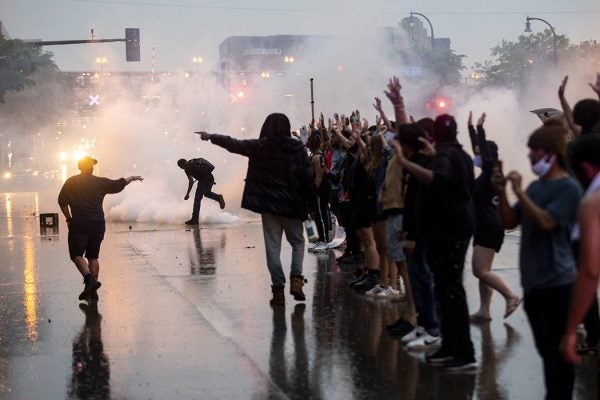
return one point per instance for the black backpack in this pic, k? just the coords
(201, 166)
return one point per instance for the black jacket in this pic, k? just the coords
(280, 177)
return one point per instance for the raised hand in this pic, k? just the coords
(393, 92)
(377, 104)
(596, 86)
(562, 87)
(481, 120)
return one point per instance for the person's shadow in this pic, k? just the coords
(91, 367)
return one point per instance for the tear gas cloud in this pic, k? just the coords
(146, 137)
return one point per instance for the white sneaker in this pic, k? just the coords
(318, 246)
(389, 293)
(375, 291)
(412, 335)
(424, 342)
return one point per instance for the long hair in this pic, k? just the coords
(276, 125)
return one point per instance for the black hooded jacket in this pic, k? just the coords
(280, 177)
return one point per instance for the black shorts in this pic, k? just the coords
(84, 243)
(360, 216)
(490, 237)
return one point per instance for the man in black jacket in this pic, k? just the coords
(279, 186)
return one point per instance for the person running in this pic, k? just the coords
(199, 170)
(280, 187)
(80, 200)
(489, 233)
(546, 212)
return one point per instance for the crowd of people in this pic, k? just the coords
(406, 194)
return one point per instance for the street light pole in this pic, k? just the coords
(428, 21)
(528, 32)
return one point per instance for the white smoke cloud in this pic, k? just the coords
(146, 137)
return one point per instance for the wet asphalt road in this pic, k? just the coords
(184, 314)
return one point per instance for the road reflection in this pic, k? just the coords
(202, 257)
(91, 368)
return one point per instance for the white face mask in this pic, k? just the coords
(543, 166)
(477, 161)
(389, 136)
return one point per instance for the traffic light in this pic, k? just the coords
(132, 44)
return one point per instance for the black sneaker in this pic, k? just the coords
(440, 357)
(400, 322)
(402, 329)
(369, 282)
(460, 365)
(192, 222)
(359, 275)
(221, 201)
(90, 287)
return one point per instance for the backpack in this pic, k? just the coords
(201, 166)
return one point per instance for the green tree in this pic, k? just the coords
(19, 62)
(514, 62)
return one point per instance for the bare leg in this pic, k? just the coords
(483, 258)
(94, 267)
(82, 265)
(379, 232)
(368, 241)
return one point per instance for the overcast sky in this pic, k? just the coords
(181, 29)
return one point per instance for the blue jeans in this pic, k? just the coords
(273, 227)
(421, 281)
(203, 188)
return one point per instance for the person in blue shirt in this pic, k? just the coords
(546, 212)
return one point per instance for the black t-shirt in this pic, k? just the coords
(449, 210)
(84, 194)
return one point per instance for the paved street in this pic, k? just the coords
(184, 314)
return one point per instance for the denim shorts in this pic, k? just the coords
(394, 235)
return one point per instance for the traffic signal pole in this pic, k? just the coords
(57, 42)
(132, 43)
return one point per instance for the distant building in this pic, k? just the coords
(3, 31)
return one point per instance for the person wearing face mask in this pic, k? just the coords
(489, 233)
(546, 212)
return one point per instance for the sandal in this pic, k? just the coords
(511, 306)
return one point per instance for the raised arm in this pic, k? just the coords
(472, 133)
(568, 113)
(596, 86)
(393, 93)
(379, 109)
